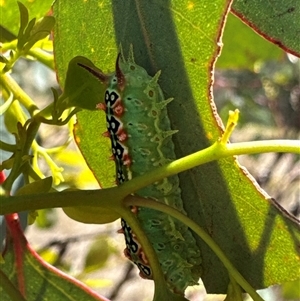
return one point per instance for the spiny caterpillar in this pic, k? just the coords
(140, 133)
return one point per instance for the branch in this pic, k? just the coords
(106, 197)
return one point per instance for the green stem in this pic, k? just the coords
(43, 57)
(17, 164)
(31, 131)
(13, 293)
(151, 256)
(7, 147)
(95, 198)
(18, 92)
(217, 151)
(7, 103)
(141, 202)
(268, 146)
(232, 121)
(105, 196)
(9, 45)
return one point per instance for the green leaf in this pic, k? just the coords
(277, 21)
(84, 91)
(3, 60)
(81, 88)
(40, 31)
(91, 215)
(7, 164)
(24, 36)
(182, 40)
(32, 32)
(243, 47)
(40, 280)
(90, 138)
(36, 187)
(24, 17)
(10, 10)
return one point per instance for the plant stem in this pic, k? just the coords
(99, 197)
(264, 146)
(18, 92)
(7, 147)
(104, 197)
(217, 151)
(141, 202)
(9, 45)
(43, 57)
(157, 274)
(36, 52)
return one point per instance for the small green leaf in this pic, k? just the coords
(40, 31)
(45, 25)
(10, 25)
(36, 187)
(28, 30)
(33, 32)
(91, 215)
(7, 164)
(24, 16)
(3, 59)
(25, 33)
(7, 104)
(81, 88)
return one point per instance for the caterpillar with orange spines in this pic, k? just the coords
(140, 133)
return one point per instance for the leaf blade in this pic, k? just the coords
(41, 280)
(275, 21)
(183, 41)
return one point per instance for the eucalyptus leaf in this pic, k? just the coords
(81, 88)
(40, 280)
(277, 21)
(243, 47)
(36, 187)
(183, 41)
